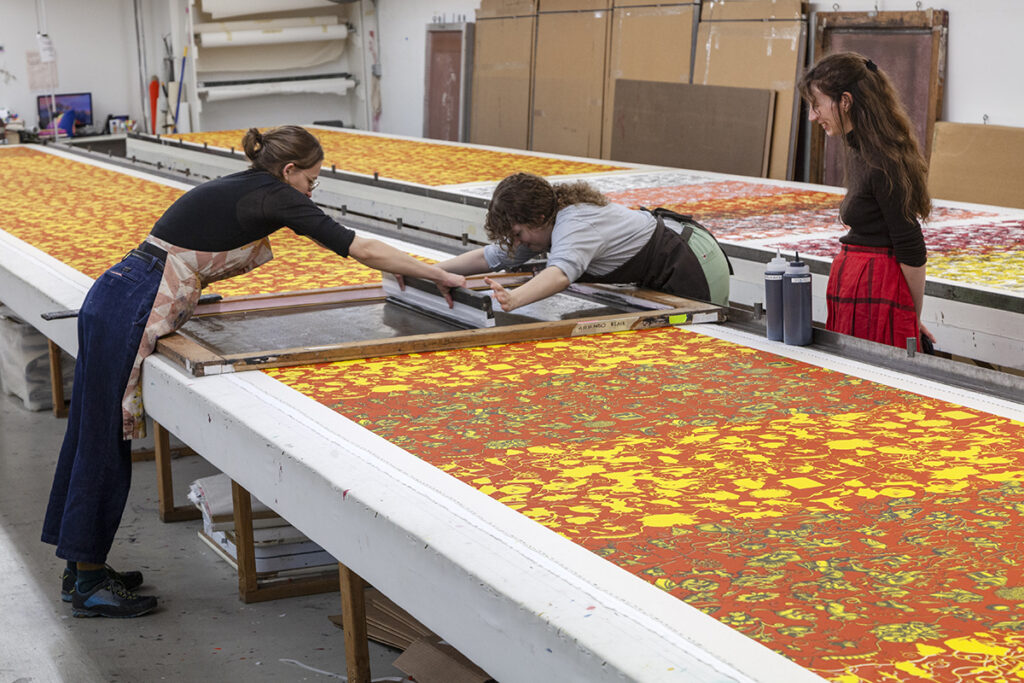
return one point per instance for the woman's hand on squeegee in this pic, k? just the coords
(447, 282)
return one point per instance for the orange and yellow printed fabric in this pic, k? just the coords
(971, 245)
(418, 161)
(865, 532)
(89, 217)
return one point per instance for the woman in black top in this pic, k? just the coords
(876, 284)
(212, 232)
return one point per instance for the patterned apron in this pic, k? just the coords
(186, 272)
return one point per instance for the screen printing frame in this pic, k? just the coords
(649, 310)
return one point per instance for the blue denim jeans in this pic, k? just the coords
(94, 469)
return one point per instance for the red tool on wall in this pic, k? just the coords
(154, 94)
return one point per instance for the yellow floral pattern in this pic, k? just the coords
(100, 214)
(867, 533)
(416, 161)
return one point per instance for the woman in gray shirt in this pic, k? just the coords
(589, 239)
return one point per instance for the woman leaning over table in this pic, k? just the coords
(214, 231)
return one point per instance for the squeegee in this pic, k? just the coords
(472, 309)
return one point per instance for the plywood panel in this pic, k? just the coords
(650, 44)
(977, 163)
(909, 46)
(502, 68)
(572, 5)
(701, 127)
(505, 8)
(568, 85)
(716, 10)
(758, 54)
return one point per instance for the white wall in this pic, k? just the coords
(95, 45)
(983, 59)
(403, 28)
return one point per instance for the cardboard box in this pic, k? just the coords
(431, 660)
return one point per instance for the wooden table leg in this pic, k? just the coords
(250, 587)
(245, 553)
(353, 617)
(60, 408)
(165, 482)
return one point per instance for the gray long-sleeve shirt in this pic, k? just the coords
(586, 238)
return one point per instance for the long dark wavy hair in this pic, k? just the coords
(882, 132)
(276, 148)
(528, 199)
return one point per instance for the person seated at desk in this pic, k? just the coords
(590, 239)
(214, 231)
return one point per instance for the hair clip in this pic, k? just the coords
(871, 66)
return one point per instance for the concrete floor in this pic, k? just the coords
(201, 630)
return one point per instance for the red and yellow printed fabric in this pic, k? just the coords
(867, 533)
(89, 217)
(418, 161)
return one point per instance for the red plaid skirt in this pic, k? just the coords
(868, 297)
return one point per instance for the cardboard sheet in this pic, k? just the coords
(701, 127)
(502, 73)
(758, 54)
(977, 163)
(648, 44)
(731, 10)
(568, 83)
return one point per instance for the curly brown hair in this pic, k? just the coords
(276, 148)
(882, 131)
(528, 199)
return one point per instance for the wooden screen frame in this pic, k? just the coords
(200, 360)
(935, 21)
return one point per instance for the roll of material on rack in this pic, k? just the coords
(320, 86)
(249, 58)
(264, 24)
(267, 36)
(233, 8)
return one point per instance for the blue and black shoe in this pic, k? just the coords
(109, 598)
(130, 580)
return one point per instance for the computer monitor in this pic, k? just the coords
(81, 102)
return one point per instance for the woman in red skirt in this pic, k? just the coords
(876, 285)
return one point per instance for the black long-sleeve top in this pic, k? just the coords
(236, 209)
(874, 214)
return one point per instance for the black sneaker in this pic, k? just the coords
(130, 580)
(109, 598)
